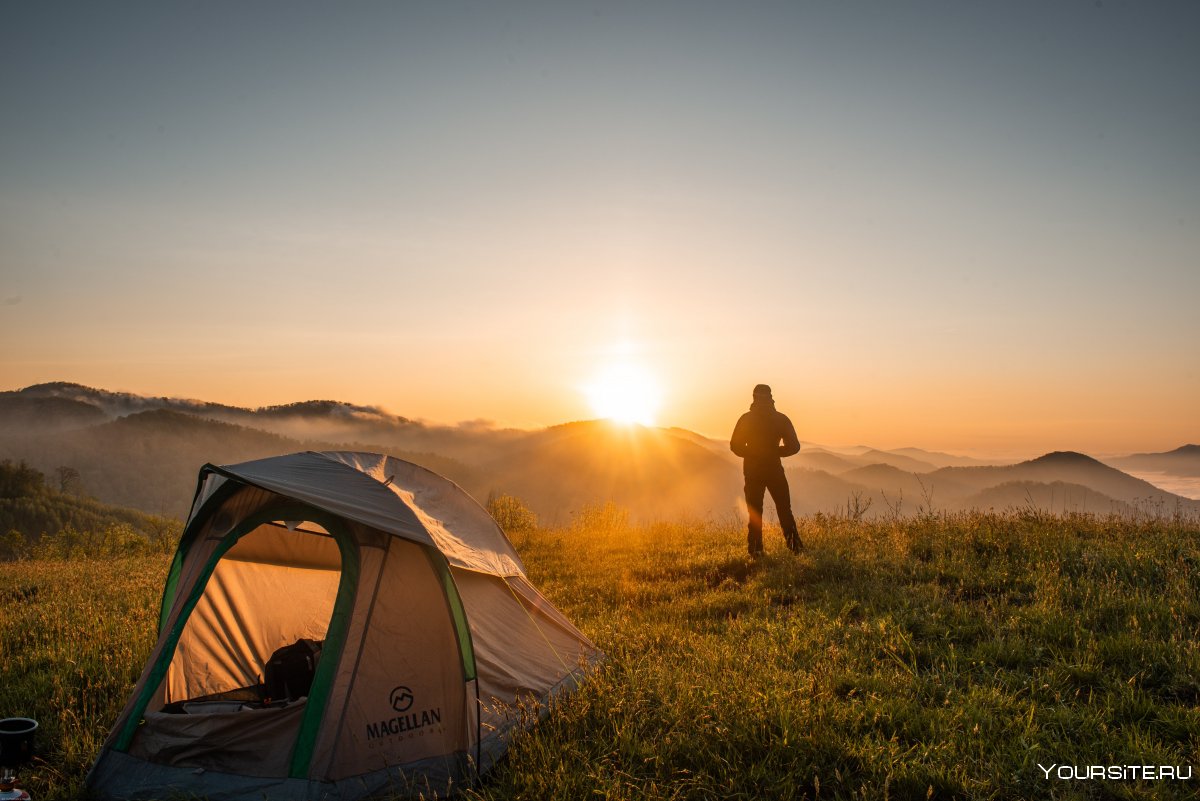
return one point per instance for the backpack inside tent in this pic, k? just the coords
(335, 626)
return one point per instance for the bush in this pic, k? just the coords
(511, 513)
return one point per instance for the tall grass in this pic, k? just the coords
(74, 635)
(941, 657)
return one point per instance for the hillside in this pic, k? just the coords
(145, 452)
(20, 413)
(107, 404)
(1077, 468)
(149, 460)
(838, 463)
(63, 405)
(816, 491)
(821, 459)
(1054, 482)
(912, 490)
(1070, 468)
(718, 447)
(31, 511)
(1056, 497)
(650, 471)
(896, 460)
(939, 459)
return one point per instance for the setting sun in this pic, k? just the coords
(625, 393)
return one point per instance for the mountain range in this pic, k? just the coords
(144, 452)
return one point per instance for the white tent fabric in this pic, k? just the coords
(395, 496)
(432, 638)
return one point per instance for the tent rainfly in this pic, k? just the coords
(336, 626)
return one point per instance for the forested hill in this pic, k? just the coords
(34, 514)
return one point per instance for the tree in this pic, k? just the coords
(19, 480)
(68, 479)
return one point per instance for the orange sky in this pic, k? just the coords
(830, 403)
(972, 232)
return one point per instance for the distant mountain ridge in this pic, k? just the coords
(120, 404)
(112, 404)
(144, 453)
(940, 459)
(1183, 461)
(1067, 467)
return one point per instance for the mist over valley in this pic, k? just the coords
(144, 452)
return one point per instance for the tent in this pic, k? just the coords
(426, 641)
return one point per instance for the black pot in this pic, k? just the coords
(16, 740)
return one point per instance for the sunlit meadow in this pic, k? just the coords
(938, 657)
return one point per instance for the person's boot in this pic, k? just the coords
(791, 535)
(754, 544)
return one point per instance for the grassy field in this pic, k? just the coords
(927, 658)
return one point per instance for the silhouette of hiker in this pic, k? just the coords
(762, 437)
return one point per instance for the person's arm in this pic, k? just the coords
(737, 443)
(791, 443)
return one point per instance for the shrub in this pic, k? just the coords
(511, 513)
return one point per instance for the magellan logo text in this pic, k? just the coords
(401, 699)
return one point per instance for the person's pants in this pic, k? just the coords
(775, 482)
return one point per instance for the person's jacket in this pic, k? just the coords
(764, 436)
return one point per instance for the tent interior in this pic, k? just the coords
(276, 585)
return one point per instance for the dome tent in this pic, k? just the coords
(428, 636)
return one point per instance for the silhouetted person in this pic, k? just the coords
(762, 437)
